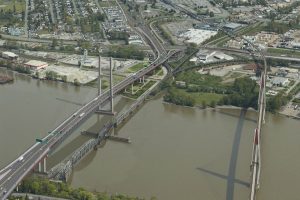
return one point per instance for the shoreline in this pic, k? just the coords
(5, 79)
(230, 107)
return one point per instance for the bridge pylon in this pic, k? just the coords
(110, 111)
(99, 76)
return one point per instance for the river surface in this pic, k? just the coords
(176, 152)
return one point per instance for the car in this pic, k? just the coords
(21, 158)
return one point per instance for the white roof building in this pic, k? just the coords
(10, 55)
(197, 36)
(280, 81)
(296, 45)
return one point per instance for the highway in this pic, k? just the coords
(11, 175)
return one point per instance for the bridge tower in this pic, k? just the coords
(111, 93)
(99, 76)
(111, 86)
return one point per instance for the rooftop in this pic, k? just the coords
(232, 25)
(36, 63)
(10, 54)
(279, 80)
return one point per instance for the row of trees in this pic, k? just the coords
(245, 94)
(242, 93)
(129, 52)
(41, 186)
(173, 96)
(118, 35)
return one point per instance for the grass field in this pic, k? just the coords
(135, 68)
(107, 3)
(288, 52)
(199, 97)
(141, 91)
(9, 5)
(160, 72)
(105, 82)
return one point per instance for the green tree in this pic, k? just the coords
(213, 104)
(54, 43)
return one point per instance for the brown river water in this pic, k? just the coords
(176, 152)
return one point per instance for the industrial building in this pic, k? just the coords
(296, 45)
(36, 65)
(280, 81)
(197, 36)
(232, 26)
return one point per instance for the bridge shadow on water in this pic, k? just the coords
(235, 114)
(231, 180)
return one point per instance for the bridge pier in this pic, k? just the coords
(142, 80)
(45, 165)
(40, 166)
(132, 88)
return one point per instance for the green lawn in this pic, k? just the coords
(207, 97)
(105, 81)
(135, 68)
(160, 72)
(107, 3)
(9, 5)
(141, 91)
(199, 97)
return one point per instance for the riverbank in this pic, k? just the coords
(5, 79)
(39, 188)
(230, 107)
